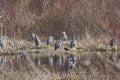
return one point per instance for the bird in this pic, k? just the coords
(64, 36)
(2, 42)
(49, 40)
(58, 44)
(73, 42)
(66, 49)
(112, 43)
(11, 44)
(33, 36)
(37, 41)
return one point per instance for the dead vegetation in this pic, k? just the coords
(92, 22)
(51, 17)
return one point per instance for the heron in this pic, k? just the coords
(58, 44)
(11, 44)
(112, 42)
(50, 40)
(33, 36)
(37, 41)
(64, 36)
(2, 42)
(73, 42)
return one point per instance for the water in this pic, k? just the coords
(18, 61)
(95, 64)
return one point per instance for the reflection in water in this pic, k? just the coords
(1, 63)
(50, 61)
(113, 56)
(59, 62)
(37, 61)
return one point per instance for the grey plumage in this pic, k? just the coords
(58, 44)
(49, 40)
(112, 42)
(33, 36)
(73, 42)
(11, 44)
(64, 36)
(35, 39)
(2, 42)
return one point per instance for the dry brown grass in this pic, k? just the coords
(80, 18)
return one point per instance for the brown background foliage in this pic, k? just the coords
(79, 18)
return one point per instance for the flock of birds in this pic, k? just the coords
(58, 43)
(37, 42)
(71, 61)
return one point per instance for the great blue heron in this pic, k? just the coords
(11, 44)
(33, 36)
(2, 42)
(37, 41)
(50, 40)
(64, 36)
(73, 42)
(37, 61)
(112, 42)
(58, 44)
